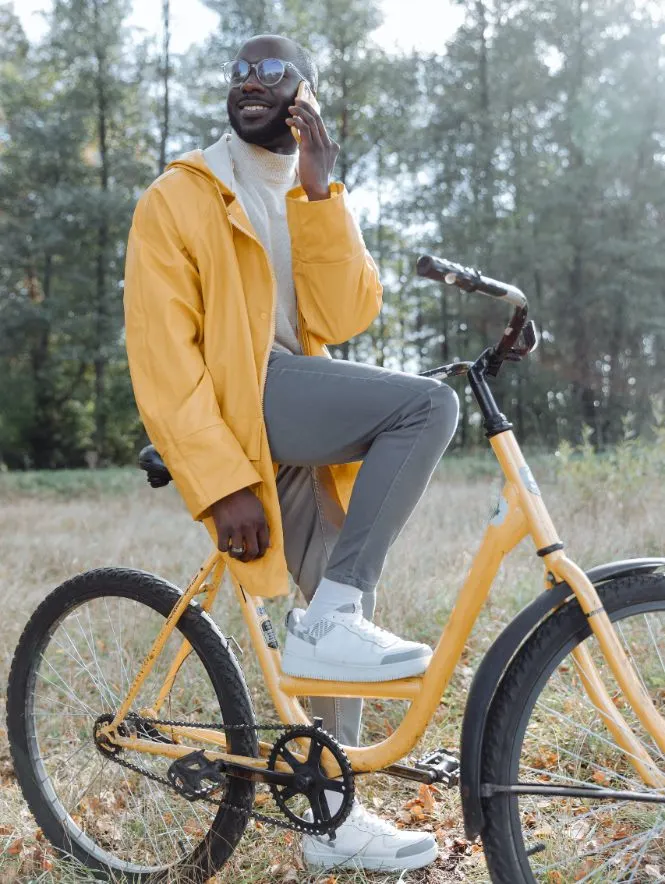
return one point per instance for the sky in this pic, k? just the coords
(403, 27)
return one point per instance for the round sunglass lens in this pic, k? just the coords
(237, 71)
(270, 71)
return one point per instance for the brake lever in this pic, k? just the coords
(525, 344)
(529, 339)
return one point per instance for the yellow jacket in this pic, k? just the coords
(200, 305)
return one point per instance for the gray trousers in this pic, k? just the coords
(321, 411)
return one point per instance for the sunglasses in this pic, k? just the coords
(269, 71)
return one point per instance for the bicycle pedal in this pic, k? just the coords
(188, 774)
(443, 765)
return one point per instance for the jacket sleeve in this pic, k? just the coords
(172, 386)
(336, 280)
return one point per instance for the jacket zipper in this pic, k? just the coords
(301, 330)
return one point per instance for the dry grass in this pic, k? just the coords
(53, 528)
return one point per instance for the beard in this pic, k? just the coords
(257, 133)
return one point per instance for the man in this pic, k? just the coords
(244, 261)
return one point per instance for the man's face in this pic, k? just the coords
(266, 127)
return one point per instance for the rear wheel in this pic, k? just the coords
(75, 661)
(543, 728)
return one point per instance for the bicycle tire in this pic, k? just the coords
(534, 668)
(226, 680)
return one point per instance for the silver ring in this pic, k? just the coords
(238, 550)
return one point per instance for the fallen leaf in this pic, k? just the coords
(544, 760)
(620, 833)
(579, 830)
(426, 795)
(461, 846)
(600, 777)
(15, 847)
(586, 870)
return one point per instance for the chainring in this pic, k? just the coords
(309, 809)
(149, 726)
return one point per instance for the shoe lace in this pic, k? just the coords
(374, 630)
(371, 821)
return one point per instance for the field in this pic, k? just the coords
(55, 525)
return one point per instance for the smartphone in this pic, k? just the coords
(306, 94)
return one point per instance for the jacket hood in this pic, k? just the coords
(194, 163)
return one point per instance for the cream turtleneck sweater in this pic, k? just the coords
(262, 179)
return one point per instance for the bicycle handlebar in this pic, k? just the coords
(469, 279)
(519, 337)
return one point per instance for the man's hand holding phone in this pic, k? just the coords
(318, 152)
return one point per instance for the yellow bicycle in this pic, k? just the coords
(136, 746)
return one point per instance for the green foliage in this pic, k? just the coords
(624, 469)
(68, 484)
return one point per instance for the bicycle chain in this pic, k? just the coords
(255, 814)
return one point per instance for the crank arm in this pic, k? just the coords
(488, 790)
(255, 774)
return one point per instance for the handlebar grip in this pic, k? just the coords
(468, 279)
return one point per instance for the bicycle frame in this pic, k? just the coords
(521, 512)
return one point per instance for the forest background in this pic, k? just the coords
(532, 146)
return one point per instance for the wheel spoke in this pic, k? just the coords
(562, 738)
(84, 662)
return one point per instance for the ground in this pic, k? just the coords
(53, 525)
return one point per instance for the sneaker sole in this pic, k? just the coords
(302, 667)
(371, 863)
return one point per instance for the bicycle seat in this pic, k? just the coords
(151, 462)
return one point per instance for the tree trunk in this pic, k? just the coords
(164, 134)
(42, 435)
(102, 311)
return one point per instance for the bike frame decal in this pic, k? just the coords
(499, 512)
(529, 481)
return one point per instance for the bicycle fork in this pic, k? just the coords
(561, 568)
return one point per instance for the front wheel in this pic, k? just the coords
(543, 728)
(75, 661)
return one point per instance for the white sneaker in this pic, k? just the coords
(343, 646)
(365, 841)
